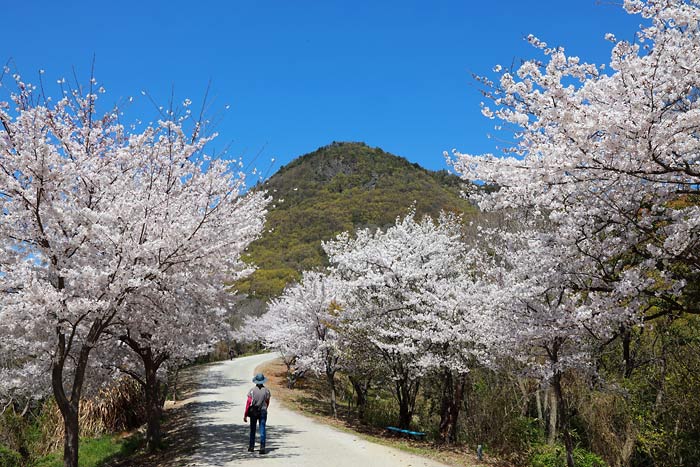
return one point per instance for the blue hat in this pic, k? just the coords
(260, 379)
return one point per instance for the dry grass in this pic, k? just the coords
(179, 433)
(118, 408)
(310, 397)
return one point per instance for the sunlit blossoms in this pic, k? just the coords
(609, 157)
(102, 230)
(603, 178)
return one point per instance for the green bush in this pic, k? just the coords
(12, 430)
(555, 456)
(522, 432)
(381, 412)
(9, 458)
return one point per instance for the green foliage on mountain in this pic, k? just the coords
(337, 188)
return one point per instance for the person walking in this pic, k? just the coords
(256, 408)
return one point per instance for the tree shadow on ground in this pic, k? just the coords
(215, 380)
(179, 442)
(222, 444)
(205, 410)
(194, 434)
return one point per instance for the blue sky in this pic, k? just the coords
(299, 75)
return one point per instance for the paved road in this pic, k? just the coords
(293, 440)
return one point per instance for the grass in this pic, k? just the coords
(310, 397)
(96, 452)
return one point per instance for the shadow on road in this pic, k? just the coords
(221, 444)
(195, 435)
(203, 410)
(215, 380)
(218, 443)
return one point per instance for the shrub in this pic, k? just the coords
(520, 433)
(555, 456)
(12, 431)
(9, 458)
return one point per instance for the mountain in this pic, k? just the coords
(339, 187)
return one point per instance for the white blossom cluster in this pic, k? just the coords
(107, 233)
(394, 302)
(602, 183)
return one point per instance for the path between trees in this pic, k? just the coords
(293, 439)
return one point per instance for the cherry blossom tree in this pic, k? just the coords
(95, 213)
(270, 330)
(609, 154)
(304, 321)
(535, 313)
(458, 335)
(397, 300)
(169, 329)
(362, 365)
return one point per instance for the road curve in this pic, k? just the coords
(292, 439)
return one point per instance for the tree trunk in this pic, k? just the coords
(70, 406)
(175, 381)
(563, 419)
(151, 388)
(406, 392)
(553, 416)
(525, 405)
(291, 375)
(330, 377)
(540, 412)
(71, 438)
(154, 407)
(405, 416)
(70, 410)
(628, 360)
(452, 397)
(290, 383)
(361, 389)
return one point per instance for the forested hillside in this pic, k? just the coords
(337, 188)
